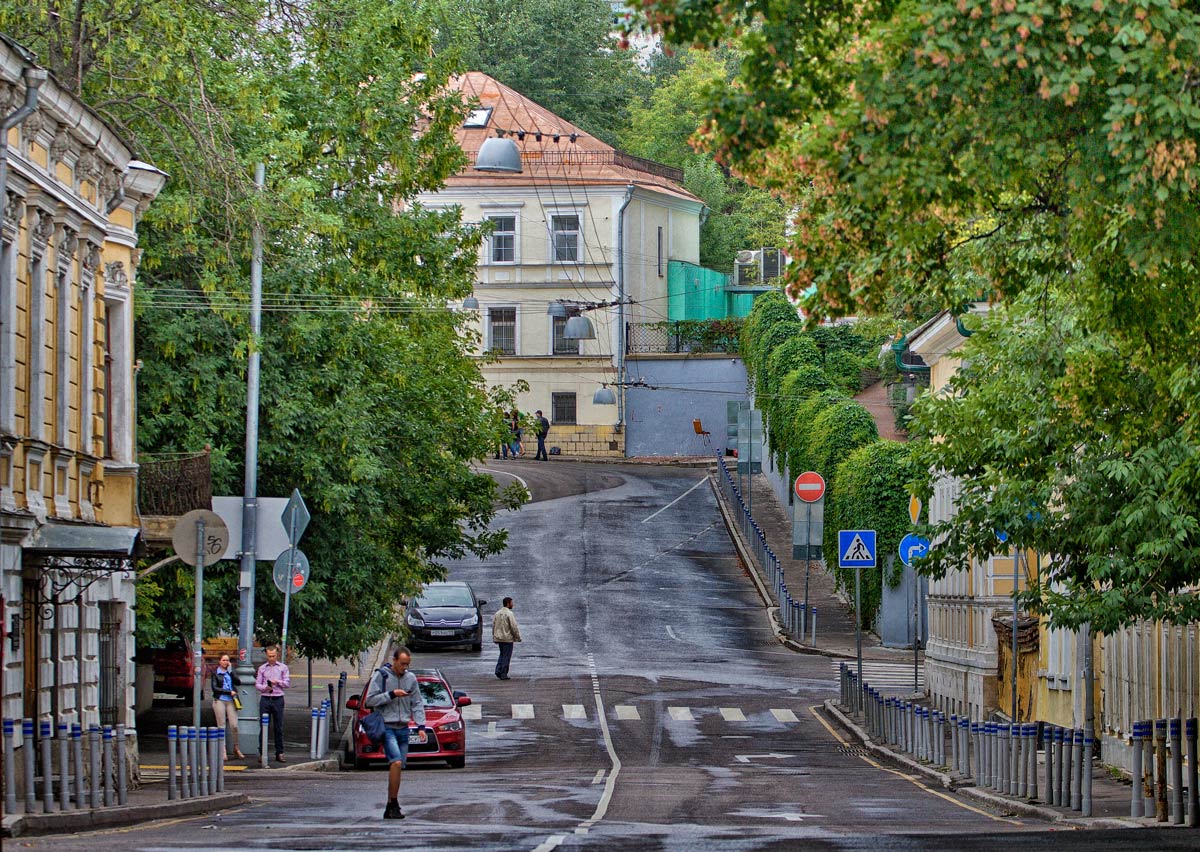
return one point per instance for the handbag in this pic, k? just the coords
(237, 703)
(373, 725)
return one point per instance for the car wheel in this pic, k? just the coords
(477, 647)
(457, 762)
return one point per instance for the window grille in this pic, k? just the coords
(502, 330)
(563, 345)
(562, 408)
(112, 686)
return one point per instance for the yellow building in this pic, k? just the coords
(73, 195)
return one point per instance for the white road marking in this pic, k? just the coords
(551, 842)
(522, 711)
(627, 712)
(676, 500)
(599, 776)
(473, 712)
(524, 484)
(733, 714)
(680, 714)
(784, 716)
(746, 758)
(671, 633)
(491, 731)
(574, 711)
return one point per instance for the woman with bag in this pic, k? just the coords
(226, 702)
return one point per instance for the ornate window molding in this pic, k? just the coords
(35, 460)
(62, 483)
(41, 229)
(14, 209)
(88, 265)
(64, 297)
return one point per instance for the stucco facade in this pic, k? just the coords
(68, 512)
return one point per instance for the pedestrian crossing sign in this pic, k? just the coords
(856, 548)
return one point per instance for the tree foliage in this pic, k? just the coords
(371, 403)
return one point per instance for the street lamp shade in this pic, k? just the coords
(604, 396)
(557, 310)
(470, 303)
(579, 328)
(498, 155)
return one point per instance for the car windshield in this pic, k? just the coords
(445, 596)
(435, 694)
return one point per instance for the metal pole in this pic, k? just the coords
(107, 770)
(46, 741)
(1089, 722)
(28, 747)
(10, 771)
(1193, 785)
(185, 781)
(1176, 732)
(198, 630)
(287, 595)
(858, 620)
(1148, 769)
(122, 777)
(266, 721)
(1160, 769)
(172, 780)
(245, 665)
(64, 766)
(94, 763)
(1016, 587)
(310, 678)
(77, 749)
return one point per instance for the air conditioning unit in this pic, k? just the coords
(772, 263)
(747, 269)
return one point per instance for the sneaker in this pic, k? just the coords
(392, 811)
(279, 758)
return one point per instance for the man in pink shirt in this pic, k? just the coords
(272, 679)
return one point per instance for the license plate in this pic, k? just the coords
(441, 632)
(417, 736)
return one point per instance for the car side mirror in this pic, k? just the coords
(482, 604)
(461, 699)
(352, 702)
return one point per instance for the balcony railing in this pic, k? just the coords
(693, 336)
(174, 485)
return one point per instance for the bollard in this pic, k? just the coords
(1085, 786)
(94, 763)
(122, 776)
(814, 627)
(1017, 759)
(172, 778)
(322, 733)
(1068, 769)
(1022, 781)
(77, 750)
(264, 721)
(221, 760)
(1034, 740)
(1062, 795)
(1002, 769)
(1051, 769)
(955, 754)
(1077, 767)
(202, 760)
(64, 766)
(1176, 734)
(193, 740)
(1148, 768)
(313, 733)
(974, 734)
(214, 759)
(1135, 771)
(46, 741)
(185, 781)
(10, 771)
(1160, 769)
(107, 769)
(1193, 784)
(341, 699)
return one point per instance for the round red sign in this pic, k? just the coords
(810, 486)
(298, 581)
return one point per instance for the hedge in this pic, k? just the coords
(837, 431)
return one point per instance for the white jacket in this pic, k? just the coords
(504, 626)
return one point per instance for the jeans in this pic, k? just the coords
(506, 649)
(395, 744)
(541, 452)
(272, 705)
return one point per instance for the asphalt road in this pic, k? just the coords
(649, 709)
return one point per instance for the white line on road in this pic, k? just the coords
(599, 776)
(551, 842)
(732, 714)
(491, 731)
(680, 714)
(574, 711)
(671, 633)
(524, 484)
(676, 500)
(784, 716)
(522, 711)
(627, 713)
(473, 712)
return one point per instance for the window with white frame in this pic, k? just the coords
(502, 330)
(503, 242)
(563, 345)
(564, 229)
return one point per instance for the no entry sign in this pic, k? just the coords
(810, 486)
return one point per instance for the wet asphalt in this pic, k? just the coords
(649, 709)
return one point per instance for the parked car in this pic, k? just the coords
(172, 664)
(446, 614)
(446, 734)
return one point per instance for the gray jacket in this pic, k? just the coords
(396, 710)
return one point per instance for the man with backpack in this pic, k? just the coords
(396, 695)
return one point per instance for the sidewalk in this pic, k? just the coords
(835, 616)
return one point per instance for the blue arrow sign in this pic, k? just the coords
(856, 548)
(913, 546)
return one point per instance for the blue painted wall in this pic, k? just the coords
(690, 387)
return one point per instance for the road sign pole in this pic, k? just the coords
(858, 630)
(287, 594)
(197, 647)
(807, 556)
(1016, 587)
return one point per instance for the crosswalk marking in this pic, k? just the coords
(732, 714)
(522, 711)
(574, 711)
(784, 716)
(630, 712)
(473, 712)
(627, 712)
(891, 678)
(680, 714)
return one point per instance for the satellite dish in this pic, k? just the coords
(746, 256)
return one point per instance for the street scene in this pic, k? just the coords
(583, 424)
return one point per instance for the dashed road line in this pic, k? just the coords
(680, 714)
(627, 713)
(574, 711)
(784, 716)
(522, 711)
(732, 714)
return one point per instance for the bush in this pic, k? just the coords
(845, 368)
(799, 385)
(797, 454)
(837, 431)
(871, 494)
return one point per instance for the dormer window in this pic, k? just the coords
(479, 117)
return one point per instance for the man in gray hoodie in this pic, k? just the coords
(395, 693)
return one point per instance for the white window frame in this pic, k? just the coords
(516, 327)
(554, 233)
(515, 235)
(555, 352)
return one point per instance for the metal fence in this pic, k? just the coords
(174, 486)
(684, 336)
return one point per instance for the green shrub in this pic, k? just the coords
(799, 385)
(871, 494)
(844, 369)
(797, 454)
(837, 431)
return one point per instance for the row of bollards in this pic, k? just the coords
(318, 746)
(1158, 779)
(1003, 756)
(104, 782)
(195, 761)
(798, 623)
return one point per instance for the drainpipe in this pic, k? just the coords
(621, 308)
(899, 347)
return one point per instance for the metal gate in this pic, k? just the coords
(112, 687)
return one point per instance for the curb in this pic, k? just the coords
(325, 764)
(71, 822)
(966, 786)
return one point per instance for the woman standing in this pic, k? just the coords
(225, 702)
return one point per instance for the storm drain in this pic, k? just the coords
(853, 751)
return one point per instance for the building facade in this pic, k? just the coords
(68, 475)
(583, 226)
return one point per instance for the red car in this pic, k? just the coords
(446, 735)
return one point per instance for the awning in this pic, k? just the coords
(84, 540)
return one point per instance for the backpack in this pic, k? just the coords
(372, 724)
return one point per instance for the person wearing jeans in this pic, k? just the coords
(504, 633)
(395, 693)
(272, 679)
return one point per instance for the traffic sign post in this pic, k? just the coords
(292, 564)
(856, 549)
(809, 488)
(198, 536)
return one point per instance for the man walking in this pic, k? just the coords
(272, 679)
(504, 633)
(396, 694)
(543, 429)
